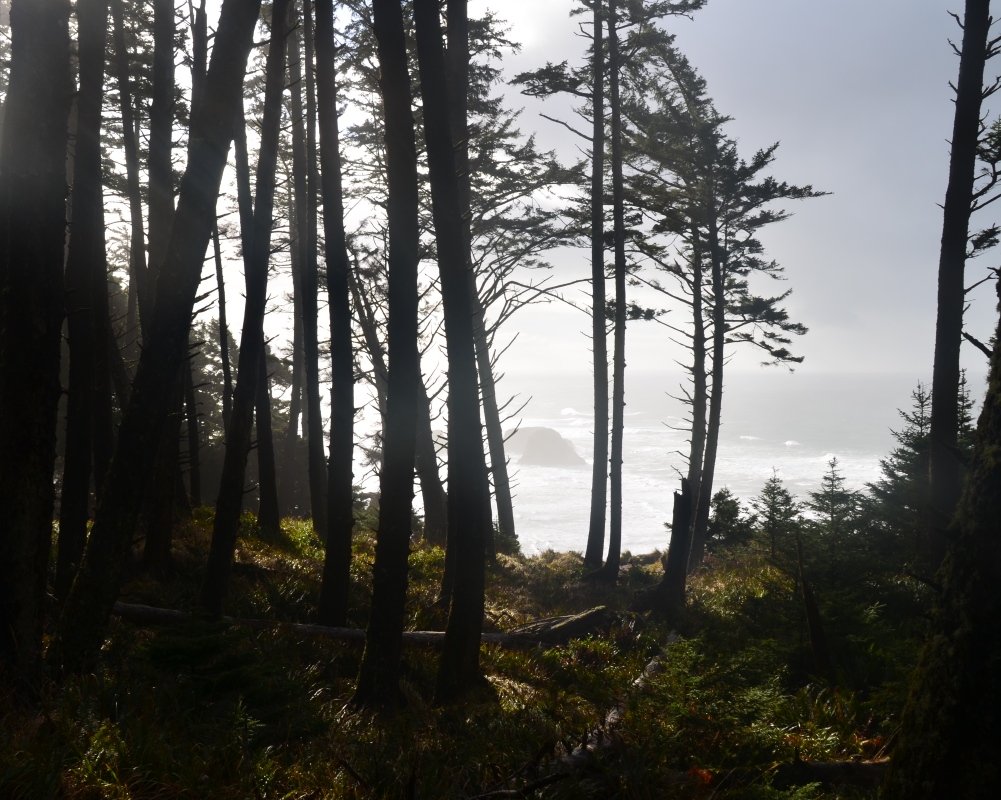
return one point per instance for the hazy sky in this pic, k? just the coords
(857, 92)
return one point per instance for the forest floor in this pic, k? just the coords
(204, 709)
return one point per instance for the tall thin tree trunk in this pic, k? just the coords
(140, 288)
(668, 597)
(194, 448)
(160, 502)
(32, 232)
(458, 668)
(432, 489)
(700, 389)
(599, 469)
(269, 510)
(84, 276)
(227, 371)
(378, 679)
(340, 500)
(945, 466)
(290, 448)
(303, 155)
(249, 368)
(703, 504)
(610, 571)
(81, 627)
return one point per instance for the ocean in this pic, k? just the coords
(792, 423)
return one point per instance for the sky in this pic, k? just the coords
(857, 93)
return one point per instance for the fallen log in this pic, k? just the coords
(552, 631)
(863, 774)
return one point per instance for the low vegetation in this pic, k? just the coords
(206, 709)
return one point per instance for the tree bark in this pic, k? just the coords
(249, 368)
(458, 669)
(140, 288)
(599, 469)
(333, 607)
(704, 503)
(194, 448)
(303, 158)
(84, 265)
(378, 679)
(700, 390)
(32, 232)
(287, 482)
(80, 631)
(610, 571)
(458, 87)
(668, 597)
(227, 372)
(945, 467)
(268, 510)
(949, 735)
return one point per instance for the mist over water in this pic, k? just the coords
(793, 423)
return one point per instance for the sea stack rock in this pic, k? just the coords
(544, 447)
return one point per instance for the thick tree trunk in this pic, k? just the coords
(32, 232)
(950, 736)
(599, 469)
(945, 466)
(84, 268)
(668, 597)
(458, 669)
(303, 156)
(378, 679)
(333, 606)
(610, 571)
(703, 504)
(81, 627)
(162, 493)
(249, 368)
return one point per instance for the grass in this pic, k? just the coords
(206, 710)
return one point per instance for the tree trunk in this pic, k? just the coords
(269, 510)
(160, 497)
(599, 469)
(32, 232)
(668, 597)
(249, 368)
(84, 264)
(949, 736)
(700, 390)
(378, 679)
(945, 466)
(704, 503)
(610, 572)
(81, 628)
(227, 373)
(432, 490)
(458, 87)
(458, 669)
(333, 606)
(288, 478)
(303, 156)
(140, 285)
(191, 420)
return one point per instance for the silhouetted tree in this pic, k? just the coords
(32, 231)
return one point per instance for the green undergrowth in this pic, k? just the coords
(224, 711)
